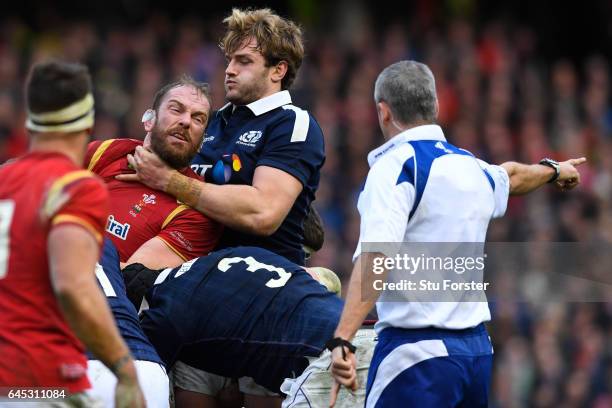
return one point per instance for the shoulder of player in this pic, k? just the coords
(184, 212)
(109, 150)
(293, 120)
(77, 177)
(73, 185)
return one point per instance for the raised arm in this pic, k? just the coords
(524, 178)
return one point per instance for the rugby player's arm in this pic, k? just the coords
(257, 209)
(525, 178)
(156, 254)
(73, 252)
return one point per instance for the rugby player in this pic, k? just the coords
(262, 155)
(146, 225)
(52, 216)
(258, 315)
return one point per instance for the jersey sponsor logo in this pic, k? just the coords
(222, 170)
(249, 138)
(146, 200)
(200, 169)
(208, 139)
(116, 228)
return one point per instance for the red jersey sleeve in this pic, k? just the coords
(78, 198)
(189, 233)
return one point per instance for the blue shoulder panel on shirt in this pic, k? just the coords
(425, 152)
(407, 174)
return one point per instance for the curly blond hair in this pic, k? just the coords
(278, 39)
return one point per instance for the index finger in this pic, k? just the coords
(333, 395)
(127, 177)
(139, 151)
(577, 162)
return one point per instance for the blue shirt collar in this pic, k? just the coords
(425, 132)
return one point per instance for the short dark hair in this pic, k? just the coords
(314, 234)
(184, 80)
(54, 85)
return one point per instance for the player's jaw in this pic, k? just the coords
(176, 146)
(247, 87)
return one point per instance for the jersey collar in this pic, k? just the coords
(270, 102)
(425, 132)
(263, 105)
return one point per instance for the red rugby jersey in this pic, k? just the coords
(139, 213)
(38, 191)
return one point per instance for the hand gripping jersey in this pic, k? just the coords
(38, 191)
(110, 279)
(139, 213)
(269, 132)
(241, 312)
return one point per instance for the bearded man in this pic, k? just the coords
(148, 226)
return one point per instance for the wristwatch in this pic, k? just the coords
(554, 165)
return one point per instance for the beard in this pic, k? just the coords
(174, 157)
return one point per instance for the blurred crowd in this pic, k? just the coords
(498, 99)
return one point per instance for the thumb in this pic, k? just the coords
(334, 394)
(355, 386)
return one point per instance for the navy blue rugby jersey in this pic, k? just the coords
(239, 312)
(268, 132)
(110, 280)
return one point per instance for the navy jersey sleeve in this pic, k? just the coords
(295, 145)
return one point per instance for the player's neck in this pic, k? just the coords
(72, 146)
(271, 90)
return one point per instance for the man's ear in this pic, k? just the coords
(279, 71)
(148, 120)
(384, 112)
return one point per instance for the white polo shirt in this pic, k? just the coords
(421, 188)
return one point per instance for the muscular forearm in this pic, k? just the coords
(358, 303)
(525, 178)
(81, 300)
(87, 313)
(240, 207)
